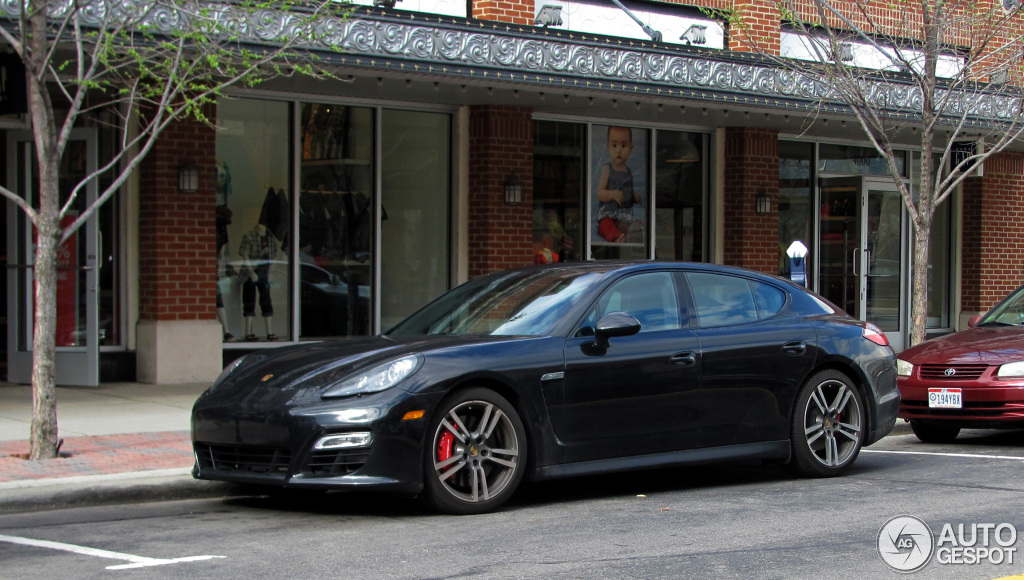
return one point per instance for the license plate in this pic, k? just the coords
(945, 398)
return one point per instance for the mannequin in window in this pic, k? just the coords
(223, 268)
(258, 249)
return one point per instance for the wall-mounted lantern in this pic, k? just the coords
(763, 203)
(188, 178)
(513, 190)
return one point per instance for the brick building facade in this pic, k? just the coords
(522, 116)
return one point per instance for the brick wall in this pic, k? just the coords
(759, 29)
(751, 166)
(993, 232)
(500, 142)
(178, 267)
(515, 11)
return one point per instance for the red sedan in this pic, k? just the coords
(973, 379)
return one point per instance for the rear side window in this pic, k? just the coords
(723, 300)
(769, 299)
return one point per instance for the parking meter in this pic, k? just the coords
(797, 251)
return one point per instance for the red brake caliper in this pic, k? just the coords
(444, 446)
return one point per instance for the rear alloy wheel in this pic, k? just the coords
(932, 433)
(477, 453)
(828, 425)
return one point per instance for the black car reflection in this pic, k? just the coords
(331, 304)
(557, 371)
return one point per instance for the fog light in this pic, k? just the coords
(345, 440)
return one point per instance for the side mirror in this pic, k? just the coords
(614, 324)
(973, 321)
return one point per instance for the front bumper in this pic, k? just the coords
(985, 406)
(275, 447)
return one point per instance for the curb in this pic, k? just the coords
(100, 490)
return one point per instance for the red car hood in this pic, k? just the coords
(992, 345)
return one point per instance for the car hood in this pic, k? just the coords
(991, 345)
(296, 375)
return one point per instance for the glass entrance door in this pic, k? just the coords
(861, 251)
(77, 354)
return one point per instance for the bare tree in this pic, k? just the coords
(951, 63)
(166, 59)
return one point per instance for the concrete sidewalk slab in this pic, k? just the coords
(109, 409)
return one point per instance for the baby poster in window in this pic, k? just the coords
(619, 177)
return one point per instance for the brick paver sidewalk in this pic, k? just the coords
(97, 455)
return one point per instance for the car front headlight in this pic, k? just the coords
(903, 368)
(376, 379)
(1014, 369)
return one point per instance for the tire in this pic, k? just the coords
(932, 433)
(828, 425)
(476, 453)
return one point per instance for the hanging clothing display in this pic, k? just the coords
(275, 215)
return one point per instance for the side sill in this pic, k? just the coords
(745, 451)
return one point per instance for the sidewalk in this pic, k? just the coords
(121, 442)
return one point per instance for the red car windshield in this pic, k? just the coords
(1009, 312)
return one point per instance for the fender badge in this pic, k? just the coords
(266, 378)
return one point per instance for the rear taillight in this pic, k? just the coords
(875, 334)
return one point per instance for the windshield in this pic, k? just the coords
(1007, 312)
(527, 303)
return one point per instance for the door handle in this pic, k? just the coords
(795, 348)
(684, 359)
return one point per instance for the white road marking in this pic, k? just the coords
(135, 561)
(966, 455)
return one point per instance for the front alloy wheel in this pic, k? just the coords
(477, 453)
(828, 425)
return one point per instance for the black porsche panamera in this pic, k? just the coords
(557, 371)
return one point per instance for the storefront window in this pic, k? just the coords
(679, 199)
(940, 250)
(253, 219)
(621, 192)
(795, 164)
(558, 153)
(109, 213)
(938, 270)
(336, 217)
(415, 186)
(855, 160)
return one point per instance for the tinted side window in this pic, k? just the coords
(769, 299)
(722, 300)
(651, 298)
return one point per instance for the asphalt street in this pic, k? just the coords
(734, 521)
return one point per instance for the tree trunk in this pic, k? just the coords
(919, 267)
(43, 439)
(43, 442)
